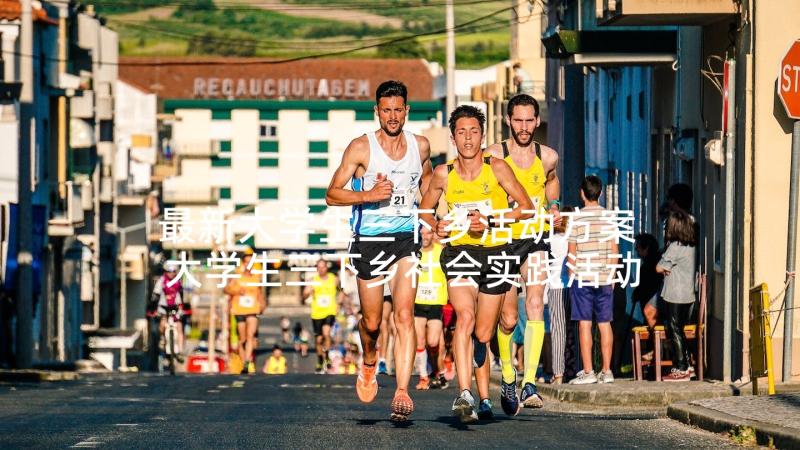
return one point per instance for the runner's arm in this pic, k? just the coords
(337, 195)
(430, 200)
(508, 181)
(552, 186)
(427, 168)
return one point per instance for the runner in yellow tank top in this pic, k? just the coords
(535, 167)
(475, 188)
(324, 306)
(431, 298)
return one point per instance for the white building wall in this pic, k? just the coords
(293, 177)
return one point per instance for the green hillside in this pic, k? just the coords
(296, 28)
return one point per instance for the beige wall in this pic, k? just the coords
(526, 43)
(775, 27)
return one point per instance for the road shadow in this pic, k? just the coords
(370, 422)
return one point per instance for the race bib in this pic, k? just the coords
(426, 292)
(247, 301)
(323, 301)
(483, 206)
(401, 202)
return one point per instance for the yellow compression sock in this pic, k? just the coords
(534, 339)
(504, 345)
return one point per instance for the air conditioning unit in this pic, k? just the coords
(82, 107)
(133, 261)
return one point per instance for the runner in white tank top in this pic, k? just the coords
(385, 170)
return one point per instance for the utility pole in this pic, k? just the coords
(24, 300)
(450, 68)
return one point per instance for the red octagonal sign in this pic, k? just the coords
(789, 81)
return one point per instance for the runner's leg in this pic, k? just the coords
(463, 300)
(486, 317)
(534, 307)
(252, 326)
(403, 294)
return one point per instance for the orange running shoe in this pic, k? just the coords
(402, 407)
(450, 370)
(366, 384)
(424, 384)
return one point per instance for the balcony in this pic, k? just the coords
(200, 148)
(662, 12)
(69, 212)
(179, 191)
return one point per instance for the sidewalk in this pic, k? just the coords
(769, 420)
(36, 375)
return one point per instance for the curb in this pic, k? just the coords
(36, 376)
(627, 397)
(718, 422)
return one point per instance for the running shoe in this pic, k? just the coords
(251, 367)
(320, 369)
(402, 407)
(366, 384)
(676, 375)
(485, 410)
(382, 370)
(478, 352)
(530, 397)
(439, 382)
(605, 377)
(424, 384)
(464, 407)
(584, 378)
(508, 396)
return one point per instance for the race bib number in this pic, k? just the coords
(247, 301)
(323, 301)
(401, 202)
(426, 292)
(484, 206)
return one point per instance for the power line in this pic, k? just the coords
(255, 61)
(303, 45)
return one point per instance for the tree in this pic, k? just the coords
(404, 49)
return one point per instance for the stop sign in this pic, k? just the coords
(789, 81)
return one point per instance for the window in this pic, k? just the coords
(318, 162)
(268, 115)
(268, 131)
(317, 193)
(268, 147)
(218, 114)
(365, 115)
(268, 162)
(316, 209)
(319, 150)
(318, 115)
(225, 146)
(225, 193)
(316, 238)
(217, 161)
(267, 193)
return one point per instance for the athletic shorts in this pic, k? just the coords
(401, 247)
(588, 300)
(488, 277)
(524, 247)
(387, 298)
(243, 318)
(448, 316)
(429, 312)
(319, 323)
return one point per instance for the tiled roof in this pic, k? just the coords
(184, 77)
(12, 9)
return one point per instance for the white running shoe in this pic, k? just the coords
(584, 378)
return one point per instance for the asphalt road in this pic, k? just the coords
(299, 410)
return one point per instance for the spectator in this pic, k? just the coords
(522, 79)
(556, 294)
(646, 293)
(592, 261)
(276, 363)
(677, 265)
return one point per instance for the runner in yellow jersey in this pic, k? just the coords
(534, 165)
(476, 189)
(431, 298)
(324, 293)
(246, 302)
